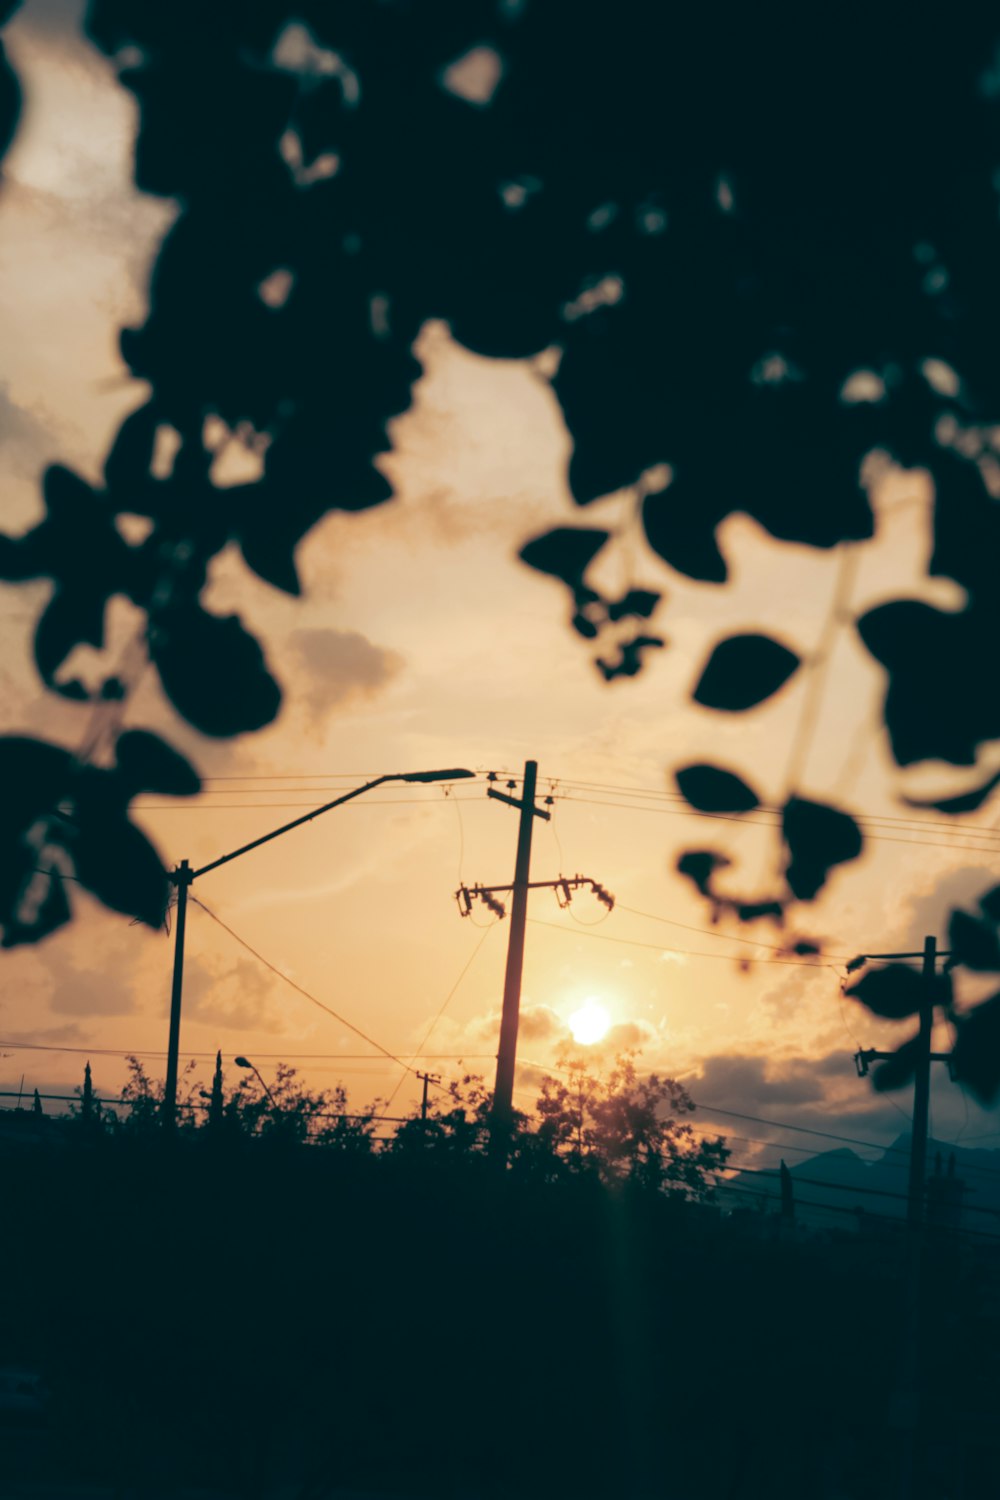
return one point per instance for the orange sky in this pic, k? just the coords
(421, 642)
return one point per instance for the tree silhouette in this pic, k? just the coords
(216, 1102)
(762, 261)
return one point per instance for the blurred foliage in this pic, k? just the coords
(761, 258)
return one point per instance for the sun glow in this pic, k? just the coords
(589, 1024)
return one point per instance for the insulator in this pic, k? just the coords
(492, 902)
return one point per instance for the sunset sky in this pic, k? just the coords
(420, 641)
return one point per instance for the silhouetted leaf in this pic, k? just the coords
(67, 620)
(699, 865)
(893, 992)
(753, 911)
(638, 602)
(713, 790)
(976, 1053)
(917, 645)
(684, 535)
(566, 552)
(145, 763)
(990, 904)
(897, 1071)
(20, 558)
(744, 670)
(67, 496)
(965, 802)
(973, 943)
(10, 96)
(818, 838)
(34, 776)
(213, 671)
(127, 466)
(38, 914)
(272, 562)
(629, 661)
(966, 524)
(119, 864)
(583, 626)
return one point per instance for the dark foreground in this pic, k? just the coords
(258, 1322)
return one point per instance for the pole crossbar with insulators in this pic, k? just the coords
(502, 1113)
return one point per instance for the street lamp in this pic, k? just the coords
(244, 1062)
(182, 878)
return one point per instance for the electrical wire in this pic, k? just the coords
(714, 932)
(732, 958)
(849, 1140)
(444, 1005)
(659, 794)
(745, 820)
(196, 805)
(298, 988)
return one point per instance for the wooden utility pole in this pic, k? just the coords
(905, 1404)
(503, 1093)
(427, 1078)
(181, 878)
(922, 1072)
(501, 1116)
(922, 1089)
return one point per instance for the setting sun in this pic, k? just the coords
(590, 1023)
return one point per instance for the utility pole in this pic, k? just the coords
(503, 1092)
(184, 875)
(426, 1078)
(922, 1089)
(182, 878)
(922, 1072)
(904, 1413)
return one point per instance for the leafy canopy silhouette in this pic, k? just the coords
(762, 257)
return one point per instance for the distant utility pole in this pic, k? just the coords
(921, 1076)
(503, 1092)
(906, 1398)
(426, 1078)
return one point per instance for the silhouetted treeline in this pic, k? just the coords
(416, 1323)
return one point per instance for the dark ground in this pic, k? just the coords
(263, 1322)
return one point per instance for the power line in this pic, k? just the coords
(714, 932)
(678, 799)
(210, 1055)
(299, 989)
(745, 820)
(196, 805)
(714, 1109)
(444, 1005)
(732, 958)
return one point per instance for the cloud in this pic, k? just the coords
(340, 666)
(539, 1023)
(756, 1081)
(931, 907)
(237, 996)
(22, 435)
(106, 986)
